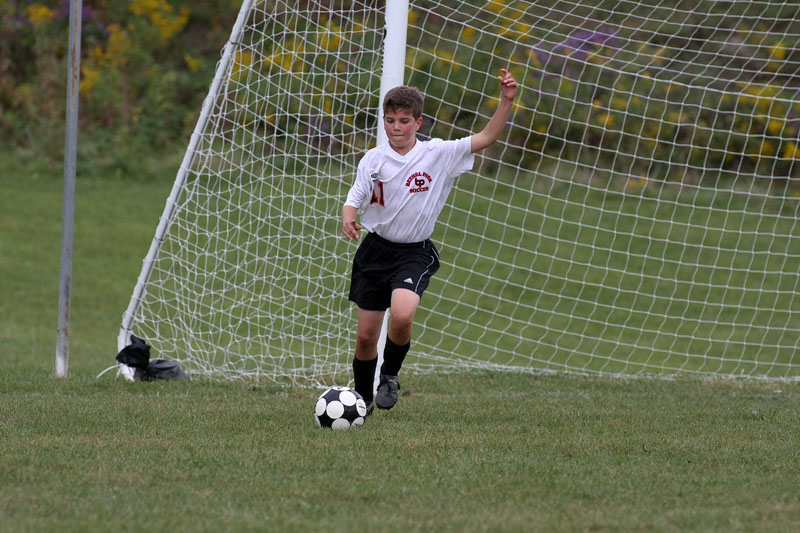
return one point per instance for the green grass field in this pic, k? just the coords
(464, 452)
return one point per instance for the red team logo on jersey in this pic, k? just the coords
(419, 182)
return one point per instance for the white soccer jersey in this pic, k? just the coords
(400, 196)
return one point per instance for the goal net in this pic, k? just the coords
(638, 216)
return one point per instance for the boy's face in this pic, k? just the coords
(401, 128)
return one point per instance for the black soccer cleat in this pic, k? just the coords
(386, 397)
(370, 407)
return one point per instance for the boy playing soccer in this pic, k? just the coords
(400, 189)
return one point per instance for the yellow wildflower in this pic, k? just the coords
(778, 52)
(619, 103)
(192, 63)
(144, 7)
(89, 78)
(468, 35)
(39, 14)
(117, 46)
(244, 58)
(288, 60)
(774, 126)
(161, 15)
(790, 151)
(605, 119)
(767, 149)
(495, 6)
(523, 29)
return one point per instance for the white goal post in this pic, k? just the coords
(638, 217)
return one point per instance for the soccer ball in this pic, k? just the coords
(340, 408)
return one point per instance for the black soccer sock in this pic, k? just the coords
(393, 356)
(364, 377)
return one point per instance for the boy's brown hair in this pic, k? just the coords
(403, 97)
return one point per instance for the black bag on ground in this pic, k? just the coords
(137, 356)
(160, 369)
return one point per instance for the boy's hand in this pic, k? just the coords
(508, 85)
(350, 227)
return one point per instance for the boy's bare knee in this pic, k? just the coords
(400, 329)
(366, 339)
(367, 344)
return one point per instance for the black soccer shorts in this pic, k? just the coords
(380, 266)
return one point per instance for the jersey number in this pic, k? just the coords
(375, 199)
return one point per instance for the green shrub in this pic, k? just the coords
(634, 95)
(145, 68)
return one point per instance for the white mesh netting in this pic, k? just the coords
(638, 216)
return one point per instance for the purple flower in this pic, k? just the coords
(581, 43)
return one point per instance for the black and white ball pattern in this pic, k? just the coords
(340, 408)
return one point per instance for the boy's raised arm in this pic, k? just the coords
(492, 131)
